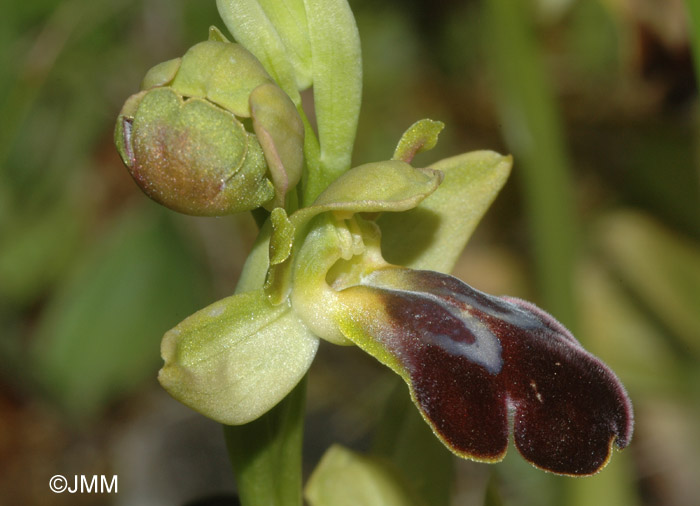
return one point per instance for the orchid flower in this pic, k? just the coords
(472, 361)
(217, 131)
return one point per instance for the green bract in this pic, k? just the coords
(188, 145)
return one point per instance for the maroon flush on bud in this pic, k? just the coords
(476, 364)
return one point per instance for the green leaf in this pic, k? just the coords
(237, 358)
(345, 478)
(433, 235)
(98, 337)
(337, 80)
(532, 126)
(266, 453)
(403, 437)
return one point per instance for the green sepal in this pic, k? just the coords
(434, 233)
(391, 185)
(346, 478)
(227, 361)
(288, 22)
(421, 136)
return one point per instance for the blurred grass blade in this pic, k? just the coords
(492, 496)
(37, 248)
(533, 131)
(662, 270)
(100, 334)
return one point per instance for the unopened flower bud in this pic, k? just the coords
(189, 145)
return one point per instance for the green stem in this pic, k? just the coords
(533, 130)
(266, 454)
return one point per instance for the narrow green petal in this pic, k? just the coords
(432, 235)
(421, 136)
(228, 362)
(345, 478)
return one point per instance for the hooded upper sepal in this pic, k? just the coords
(229, 362)
(391, 185)
(433, 235)
(471, 359)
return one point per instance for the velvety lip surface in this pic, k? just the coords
(471, 359)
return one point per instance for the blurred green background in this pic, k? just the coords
(599, 224)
